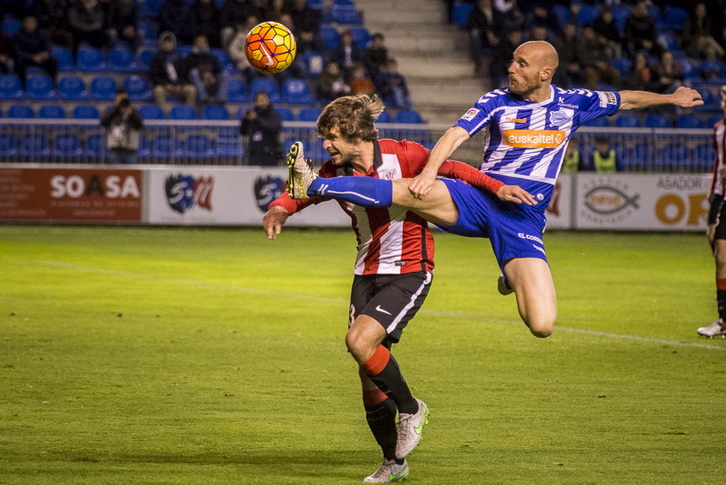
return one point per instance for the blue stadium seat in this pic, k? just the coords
(563, 13)
(121, 59)
(198, 146)
(313, 62)
(224, 59)
(148, 32)
(214, 112)
(237, 91)
(627, 121)
(408, 116)
(709, 102)
(66, 145)
(21, 111)
(309, 114)
(296, 91)
(361, 36)
(144, 59)
(51, 112)
(96, 145)
(587, 15)
(384, 117)
(86, 112)
(103, 88)
(688, 70)
(656, 14)
(600, 122)
(668, 41)
(90, 59)
(460, 13)
(65, 58)
(265, 84)
(330, 36)
(657, 121)
(183, 112)
(164, 146)
(72, 88)
(705, 155)
(151, 112)
(675, 155)
(11, 87)
(10, 26)
(710, 69)
(150, 8)
(620, 15)
(675, 18)
(138, 88)
(40, 88)
(7, 145)
(33, 145)
(286, 114)
(689, 121)
(345, 12)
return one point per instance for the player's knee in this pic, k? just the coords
(359, 347)
(542, 328)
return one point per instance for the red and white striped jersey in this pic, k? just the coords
(391, 240)
(719, 144)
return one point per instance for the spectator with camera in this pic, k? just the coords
(123, 126)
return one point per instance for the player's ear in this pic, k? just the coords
(545, 73)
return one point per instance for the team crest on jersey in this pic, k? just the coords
(469, 115)
(387, 174)
(559, 117)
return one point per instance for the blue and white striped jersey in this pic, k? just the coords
(527, 140)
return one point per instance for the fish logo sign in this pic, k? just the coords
(605, 200)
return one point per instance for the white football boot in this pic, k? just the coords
(300, 174)
(410, 428)
(716, 329)
(389, 472)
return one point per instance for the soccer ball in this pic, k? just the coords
(270, 47)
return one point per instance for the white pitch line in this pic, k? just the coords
(442, 313)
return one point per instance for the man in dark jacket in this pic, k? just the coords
(307, 26)
(32, 48)
(123, 22)
(205, 72)
(88, 19)
(166, 73)
(123, 125)
(262, 124)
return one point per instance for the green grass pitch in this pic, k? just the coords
(208, 356)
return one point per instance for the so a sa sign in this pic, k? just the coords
(108, 186)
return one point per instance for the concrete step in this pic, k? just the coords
(451, 69)
(462, 93)
(403, 13)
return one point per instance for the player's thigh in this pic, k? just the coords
(437, 207)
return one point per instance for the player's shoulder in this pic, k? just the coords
(397, 146)
(495, 98)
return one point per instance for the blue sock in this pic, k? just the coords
(362, 191)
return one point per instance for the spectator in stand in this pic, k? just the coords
(123, 125)
(571, 162)
(608, 31)
(237, 50)
(166, 72)
(392, 86)
(7, 63)
(512, 16)
(375, 55)
(570, 71)
(87, 19)
(698, 40)
(177, 17)
(275, 8)
(263, 125)
(32, 48)
(235, 13)
(52, 16)
(640, 75)
(346, 54)
(123, 23)
(307, 23)
(206, 73)
(361, 81)
(667, 74)
(603, 158)
(482, 26)
(640, 32)
(331, 84)
(541, 14)
(502, 57)
(592, 54)
(207, 22)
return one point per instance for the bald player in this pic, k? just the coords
(528, 128)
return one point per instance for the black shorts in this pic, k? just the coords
(720, 232)
(391, 300)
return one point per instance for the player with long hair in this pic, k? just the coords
(393, 269)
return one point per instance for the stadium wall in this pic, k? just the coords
(239, 196)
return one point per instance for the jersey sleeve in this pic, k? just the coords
(594, 104)
(480, 115)
(467, 173)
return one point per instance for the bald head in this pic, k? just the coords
(541, 53)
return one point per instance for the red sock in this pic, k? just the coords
(378, 361)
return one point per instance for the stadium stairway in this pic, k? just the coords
(431, 54)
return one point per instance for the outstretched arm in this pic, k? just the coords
(447, 144)
(683, 97)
